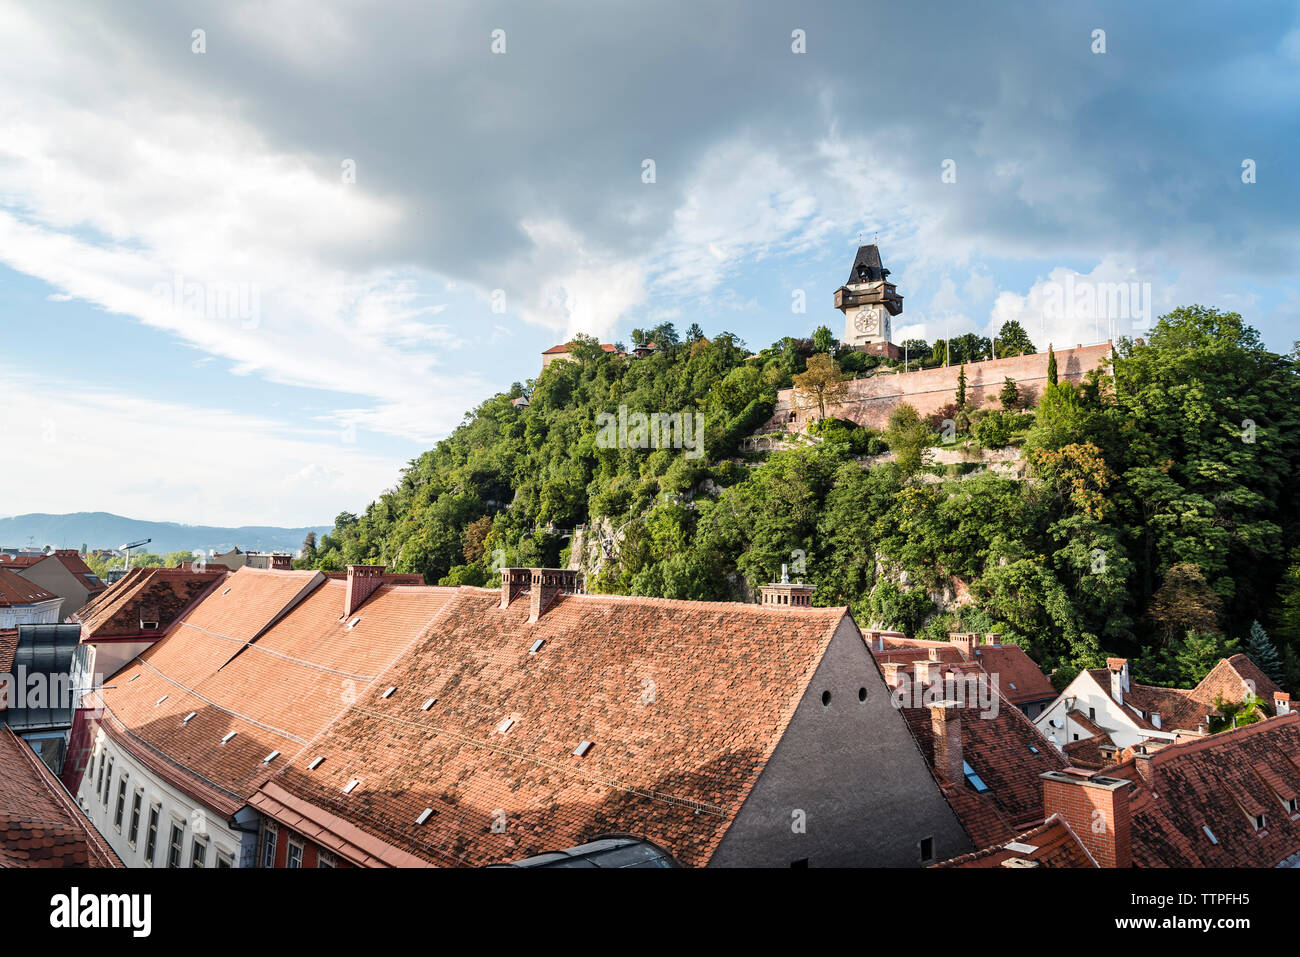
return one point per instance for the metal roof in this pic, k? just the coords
(609, 852)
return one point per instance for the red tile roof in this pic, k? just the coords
(144, 594)
(1050, 844)
(568, 346)
(681, 724)
(1218, 781)
(16, 590)
(40, 824)
(1184, 708)
(1019, 678)
(71, 559)
(277, 687)
(1007, 752)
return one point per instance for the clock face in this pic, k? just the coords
(866, 320)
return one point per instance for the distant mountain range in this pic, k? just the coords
(105, 530)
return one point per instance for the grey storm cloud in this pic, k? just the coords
(1059, 151)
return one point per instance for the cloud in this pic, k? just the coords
(170, 461)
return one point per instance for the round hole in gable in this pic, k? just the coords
(826, 699)
(862, 694)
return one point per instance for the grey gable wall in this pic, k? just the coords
(855, 771)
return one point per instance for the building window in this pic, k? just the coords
(1293, 805)
(135, 817)
(926, 847)
(1260, 822)
(268, 845)
(176, 845)
(295, 854)
(1092, 714)
(325, 859)
(109, 788)
(199, 853)
(225, 859)
(151, 840)
(121, 804)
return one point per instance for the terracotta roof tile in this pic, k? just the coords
(682, 723)
(40, 824)
(276, 687)
(16, 590)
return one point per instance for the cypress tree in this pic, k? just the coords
(1051, 365)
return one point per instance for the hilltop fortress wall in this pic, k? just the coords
(930, 390)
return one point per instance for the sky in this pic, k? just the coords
(255, 257)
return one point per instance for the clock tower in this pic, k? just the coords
(869, 303)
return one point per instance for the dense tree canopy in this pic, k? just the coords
(1156, 522)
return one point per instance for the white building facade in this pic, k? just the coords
(150, 823)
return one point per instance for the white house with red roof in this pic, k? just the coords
(24, 602)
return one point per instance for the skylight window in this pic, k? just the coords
(353, 623)
(227, 738)
(270, 757)
(389, 692)
(973, 779)
(315, 763)
(424, 815)
(1012, 685)
(160, 701)
(1209, 834)
(505, 725)
(133, 677)
(189, 717)
(428, 704)
(1032, 749)
(351, 786)
(581, 750)
(536, 646)
(226, 592)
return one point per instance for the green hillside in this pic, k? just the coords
(1153, 515)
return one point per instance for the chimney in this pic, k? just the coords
(894, 671)
(945, 727)
(964, 642)
(787, 593)
(876, 640)
(545, 584)
(926, 671)
(993, 638)
(362, 582)
(1281, 703)
(933, 654)
(1097, 809)
(281, 563)
(1118, 678)
(514, 581)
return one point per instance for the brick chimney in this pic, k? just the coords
(993, 638)
(786, 592)
(965, 642)
(514, 581)
(1097, 809)
(1281, 703)
(1118, 678)
(945, 727)
(281, 563)
(362, 582)
(894, 671)
(926, 671)
(545, 584)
